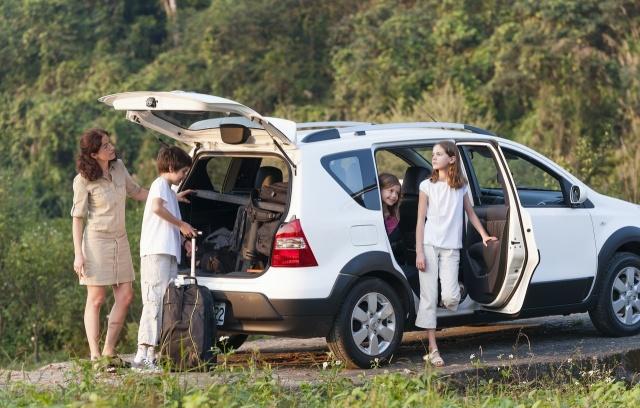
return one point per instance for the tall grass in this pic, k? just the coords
(257, 385)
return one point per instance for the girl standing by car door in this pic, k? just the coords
(102, 253)
(441, 200)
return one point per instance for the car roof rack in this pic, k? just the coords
(329, 124)
(361, 130)
(334, 130)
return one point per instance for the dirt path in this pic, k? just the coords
(529, 343)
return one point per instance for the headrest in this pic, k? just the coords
(412, 179)
(267, 175)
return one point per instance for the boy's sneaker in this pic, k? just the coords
(147, 366)
(141, 355)
(137, 365)
(152, 366)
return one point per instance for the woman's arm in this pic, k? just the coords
(423, 203)
(133, 189)
(77, 227)
(141, 195)
(475, 221)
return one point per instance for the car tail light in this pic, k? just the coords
(291, 248)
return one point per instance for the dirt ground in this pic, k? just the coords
(528, 342)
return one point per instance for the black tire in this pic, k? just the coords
(379, 329)
(232, 342)
(617, 309)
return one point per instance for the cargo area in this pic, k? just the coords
(238, 204)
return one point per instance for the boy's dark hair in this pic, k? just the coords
(171, 159)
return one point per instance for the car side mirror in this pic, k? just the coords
(577, 195)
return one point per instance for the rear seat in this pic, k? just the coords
(267, 175)
(408, 208)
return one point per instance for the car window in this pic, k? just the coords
(388, 162)
(485, 177)
(241, 174)
(537, 186)
(198, 120)
(426, 152)
(355, 173)
(217, 168)
(278, 163)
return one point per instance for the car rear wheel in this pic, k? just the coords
(369, 325)
(617, 308)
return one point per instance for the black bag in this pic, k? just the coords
(219, 256)
(238, 229)
(261, 222)
(218, 261)
(266, 234)
(188, 324)
(275, 193)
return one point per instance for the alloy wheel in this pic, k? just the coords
(373, 323)
(625, 295)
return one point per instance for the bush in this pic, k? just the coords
(42, 311)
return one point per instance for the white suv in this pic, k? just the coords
(324, 266)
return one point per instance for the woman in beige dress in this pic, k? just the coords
(102, 253)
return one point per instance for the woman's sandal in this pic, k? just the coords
(435, 359)
(110, 364)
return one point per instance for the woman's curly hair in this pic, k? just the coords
(90, 142)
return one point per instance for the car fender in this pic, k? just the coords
(374, 264)
(626, 238)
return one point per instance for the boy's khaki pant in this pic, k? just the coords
(443, 263)
(156, 271)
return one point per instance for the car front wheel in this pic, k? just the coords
(617, 308)
(369, 325)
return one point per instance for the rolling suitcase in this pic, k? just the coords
(188, 323)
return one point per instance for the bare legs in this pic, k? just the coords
(123, 295)
(431, 334)
(95, 299)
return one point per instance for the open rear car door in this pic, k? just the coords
(197, 119)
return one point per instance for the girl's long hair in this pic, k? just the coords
(386, 180)
(455, 179)
(90, 143)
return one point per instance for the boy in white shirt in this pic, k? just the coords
(160, 248)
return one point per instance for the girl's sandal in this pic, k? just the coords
(435, 359)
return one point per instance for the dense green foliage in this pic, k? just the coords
(562, 76)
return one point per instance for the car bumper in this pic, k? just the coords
(250, 312)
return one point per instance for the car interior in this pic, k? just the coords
(226, 190)
(482, 268)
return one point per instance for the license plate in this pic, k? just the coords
(218, 312)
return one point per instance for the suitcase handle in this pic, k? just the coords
(193, 255)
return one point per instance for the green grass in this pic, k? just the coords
(257, 386)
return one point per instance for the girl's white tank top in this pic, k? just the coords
(443, 228)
